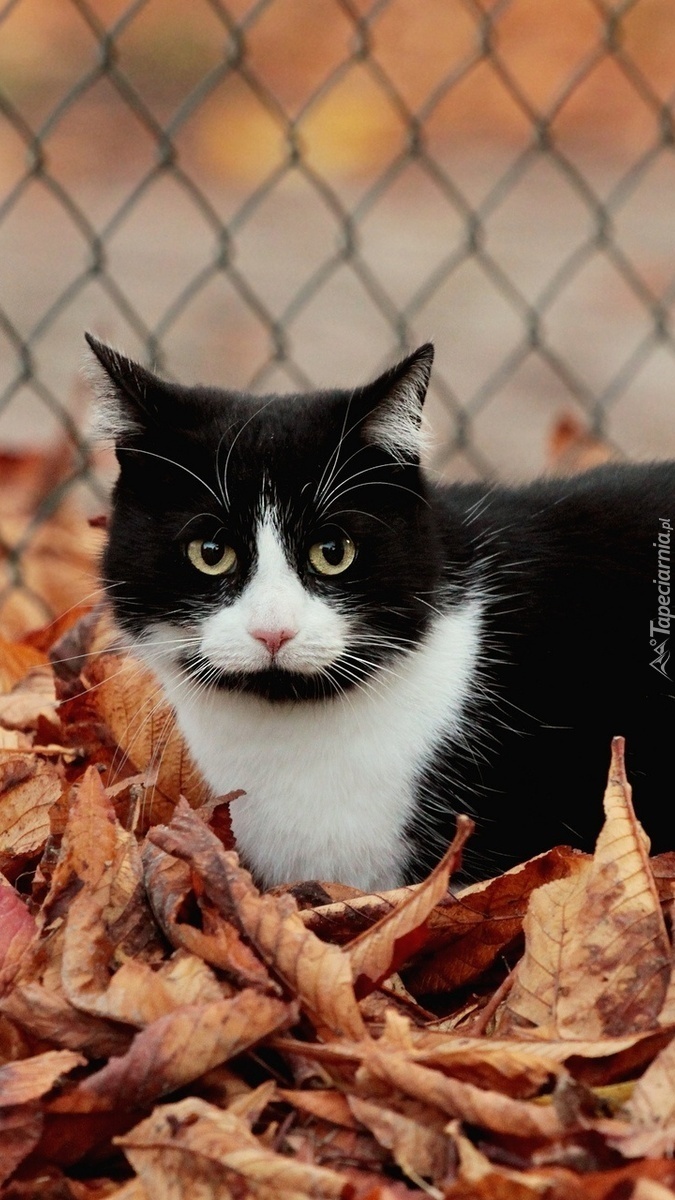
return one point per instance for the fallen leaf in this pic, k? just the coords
(480, 1179)
(382, 949)
(421, 1151)
(31, 1078)
(465, 933)
(36, 1001)
(105, 859)
(16, 660)
(489, 1110)
(573, 447)
(319, 974)
(598, 958)
(652, 1103)
(17, 930)
(20, 1132)
(212, 1154)
(176, 1049)
(169, 888)
(130, 701)
(33, 697)
(29, 787)
(329, 1105)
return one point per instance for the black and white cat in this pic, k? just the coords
(366, 652)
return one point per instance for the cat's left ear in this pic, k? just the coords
(130, 398)
(394, 415)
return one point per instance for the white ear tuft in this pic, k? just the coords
(111, 420)
(120, 386)
(395, 423)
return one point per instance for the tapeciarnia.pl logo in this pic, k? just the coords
(659, 630)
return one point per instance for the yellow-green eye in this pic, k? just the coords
(211, 556)
(332, 555)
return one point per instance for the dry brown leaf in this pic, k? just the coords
(487, 1109)
(318, 973)
(517, 1069)
(632, 1141)
(652, 1103)
(519, 1063)
(33, 697)
(133, 1190)
(17, 930)
(16, 659)
(36, 1001)
(31, 1078)
(29, 787)
(20, 1132)
(573, 447)
(480, 1179)
(465, 933)
(598, 958)
(105, 859)
(383, 948)
(176, 1049)
(195, 1149)
(650, 1189)
(58, 568)
(325, 1103)
(169, 887)
(421, 1151)
(130, 701)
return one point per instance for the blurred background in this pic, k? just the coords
(287, 193)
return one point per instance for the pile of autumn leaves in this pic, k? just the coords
(168, 1031)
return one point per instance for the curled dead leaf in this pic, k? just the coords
(203, 1150)
(598, 957)
(420, 1150)
(176, 1049)
(169, 888)
(29, 788)
(130, 701)
(32, 698)
(317, 973)
(379, 951)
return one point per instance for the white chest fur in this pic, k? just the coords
(330, 785)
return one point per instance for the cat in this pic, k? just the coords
(366, 652)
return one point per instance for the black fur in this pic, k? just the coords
(567, 570)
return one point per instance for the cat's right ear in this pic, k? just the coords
(129, 396)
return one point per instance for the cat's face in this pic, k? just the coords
(282, 546)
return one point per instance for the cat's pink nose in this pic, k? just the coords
(273, 639)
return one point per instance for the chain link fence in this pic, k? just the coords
(278, 194)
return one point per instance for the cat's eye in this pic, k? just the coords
(211, 556)
(332, 555)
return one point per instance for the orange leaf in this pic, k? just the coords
(319, 974)
(192, 1148)
(31, 1078)
(16, 659)
(382, 949)
(29, 787)
(176, 1049)
(598, 958)
(131, 702)
(17, 930)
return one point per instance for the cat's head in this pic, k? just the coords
(278, 545)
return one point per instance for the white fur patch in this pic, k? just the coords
(395, 425)
(330, 786)
(112, 419)
(274, 598)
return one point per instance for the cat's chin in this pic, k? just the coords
(276, 685)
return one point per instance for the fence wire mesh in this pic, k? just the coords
(276, 194)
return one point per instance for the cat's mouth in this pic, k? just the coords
(275, 683)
